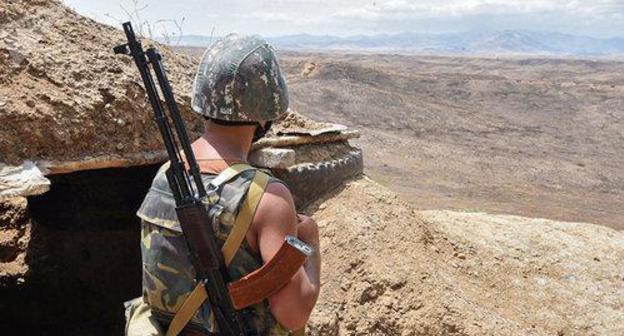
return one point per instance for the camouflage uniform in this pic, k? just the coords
(168, 275)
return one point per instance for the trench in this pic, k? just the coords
(84, 256)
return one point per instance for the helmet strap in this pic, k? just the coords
(261, 131)
(232, 123)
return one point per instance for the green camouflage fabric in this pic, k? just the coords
(168, 275)
(239, 79)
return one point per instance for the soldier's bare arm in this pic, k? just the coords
(276, 218)
(307, 230)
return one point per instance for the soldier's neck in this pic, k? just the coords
(224, 142)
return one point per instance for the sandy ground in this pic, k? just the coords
(391, 270)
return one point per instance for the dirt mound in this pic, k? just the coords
(390, 270)
(65, 96)
(294, 122)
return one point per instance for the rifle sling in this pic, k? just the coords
(187, 310)
(228, 174)
(245, 216)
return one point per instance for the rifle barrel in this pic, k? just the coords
(136, 51)
(155, 58)
(196, 225)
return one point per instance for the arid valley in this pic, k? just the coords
(536, 137)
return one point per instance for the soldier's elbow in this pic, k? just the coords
(294, 313)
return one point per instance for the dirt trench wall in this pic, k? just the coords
(15, 228)
(64, 95)
(71, 257)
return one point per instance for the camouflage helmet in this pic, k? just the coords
(239, 80)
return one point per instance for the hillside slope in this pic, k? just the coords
(390, 270)
(531, 137)
(535, 137)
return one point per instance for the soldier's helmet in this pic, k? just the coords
(239, 80)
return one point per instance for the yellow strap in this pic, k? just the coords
(245, 216)
(230, 173)
(234, 240)
(188, 309)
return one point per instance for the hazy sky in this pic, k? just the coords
(600, 18)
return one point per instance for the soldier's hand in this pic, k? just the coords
(307, 230)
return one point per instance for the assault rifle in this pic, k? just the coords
(204, 251)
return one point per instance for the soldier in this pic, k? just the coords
(239, 90)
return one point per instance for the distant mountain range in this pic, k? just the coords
(504, 42)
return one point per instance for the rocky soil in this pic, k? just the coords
(15, 227)
(64, 95)
(391, 270)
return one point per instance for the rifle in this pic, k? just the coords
(205, 253)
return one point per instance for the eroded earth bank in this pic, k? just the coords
(391, 270)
